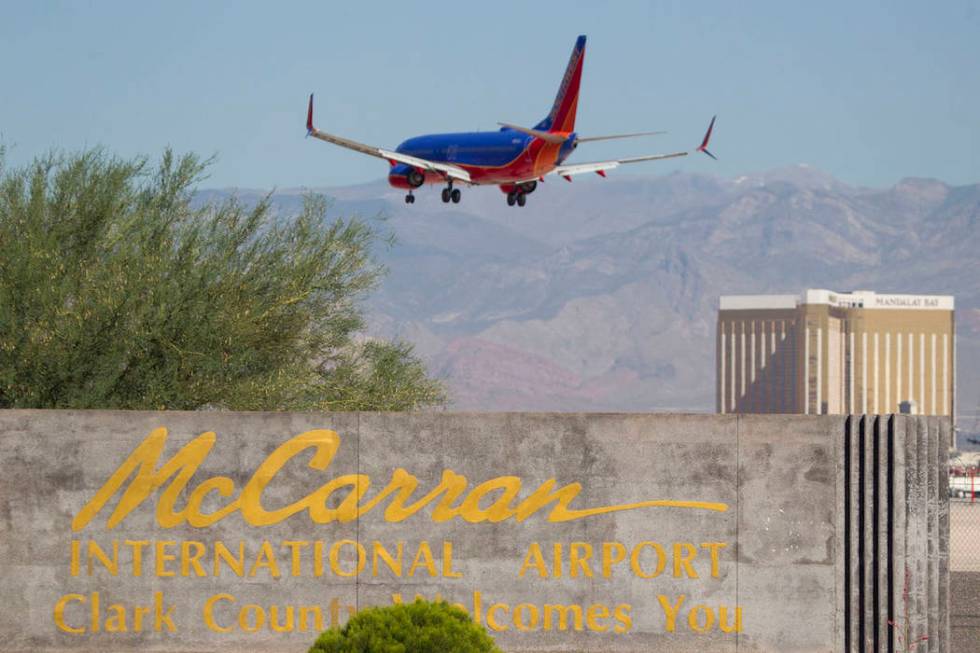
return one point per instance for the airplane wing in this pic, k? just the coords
(554, 137)
(433, 166)
(600, 167)
(445, 169)
(609, 137)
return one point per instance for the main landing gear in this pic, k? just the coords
(451, 194)
(518, 194)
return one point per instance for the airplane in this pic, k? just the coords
(514, 158)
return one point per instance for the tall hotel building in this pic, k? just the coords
(832, 353)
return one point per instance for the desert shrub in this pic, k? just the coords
(117, 290)
(419, 627)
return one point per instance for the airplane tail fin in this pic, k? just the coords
(562, 116)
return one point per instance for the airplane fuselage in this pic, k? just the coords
(514, 158)
(500, 157)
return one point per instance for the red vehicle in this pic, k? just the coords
(963, 483)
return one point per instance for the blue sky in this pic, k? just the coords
(868, 91)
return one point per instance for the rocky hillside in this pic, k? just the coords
(601, 294)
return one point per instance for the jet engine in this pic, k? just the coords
(403, 175)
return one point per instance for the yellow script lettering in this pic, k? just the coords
(452, 497)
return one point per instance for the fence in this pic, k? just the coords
(964, 557)
(964, 518)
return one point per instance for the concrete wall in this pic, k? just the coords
(768, 518)
(896, 534)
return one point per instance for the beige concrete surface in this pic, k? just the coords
(643, 532)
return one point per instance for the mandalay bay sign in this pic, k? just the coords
(222, 531)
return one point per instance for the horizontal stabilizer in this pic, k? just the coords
(537, 133)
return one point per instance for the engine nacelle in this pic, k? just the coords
(405, 176)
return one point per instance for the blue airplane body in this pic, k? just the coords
(514, 158)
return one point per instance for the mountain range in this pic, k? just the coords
(602, 294)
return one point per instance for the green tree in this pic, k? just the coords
(418, 627)
(117, 292)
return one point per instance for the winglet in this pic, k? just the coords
(309, 117)
(707, 136)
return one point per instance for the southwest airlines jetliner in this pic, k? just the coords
(514, 158)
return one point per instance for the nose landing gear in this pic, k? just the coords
(415, 179)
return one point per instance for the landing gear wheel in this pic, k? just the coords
(455, 195)
(511, 198)
(521, 199)
(410, 199)
(446, 193)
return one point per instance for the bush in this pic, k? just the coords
(118, 291)
(419, 627)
